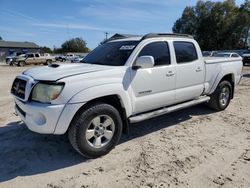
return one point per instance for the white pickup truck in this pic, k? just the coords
(125, 80)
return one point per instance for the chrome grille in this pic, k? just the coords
(18, 88)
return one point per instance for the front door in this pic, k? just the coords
(37, 59)
(30, 59)
(154, 87)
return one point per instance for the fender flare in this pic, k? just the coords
(99, 91)
(224, 72)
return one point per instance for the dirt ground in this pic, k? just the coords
(195, 147)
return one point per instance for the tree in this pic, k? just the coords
(216, 25)
(74, 45)
(1, 38)
(245, 15)
(45, 50)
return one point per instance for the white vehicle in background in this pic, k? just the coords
(70, 56)
(77, 59)
(209, 53)
(122, 81)
(227, 54)
(47, 54)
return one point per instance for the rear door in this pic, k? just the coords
(154, 87)
(190, 71)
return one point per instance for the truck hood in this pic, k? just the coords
(10, 56)
(56, 72)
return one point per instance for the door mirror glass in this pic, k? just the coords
(144, 62)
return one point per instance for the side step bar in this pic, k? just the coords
(166, 110)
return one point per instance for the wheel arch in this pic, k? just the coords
(113, 94)
(230, 77)
(113, 100)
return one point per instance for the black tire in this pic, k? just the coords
(21, 63)
(84, 120)
(216, 100)
(48, 62)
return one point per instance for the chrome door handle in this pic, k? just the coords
(170, 73)
(198, 69)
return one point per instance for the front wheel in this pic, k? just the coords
(96, 130)
(221, 97)
(48, 62)
(21, 63)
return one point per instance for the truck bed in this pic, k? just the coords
(217, 66)
(212, 60)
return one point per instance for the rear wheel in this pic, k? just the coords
(221, 97)
(95, 130)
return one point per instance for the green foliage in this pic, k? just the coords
(216, 25)
(45, 50)
(74, 45)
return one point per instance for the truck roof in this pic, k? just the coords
(120, 37)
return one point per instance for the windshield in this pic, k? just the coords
(112, 53)
(21, 56)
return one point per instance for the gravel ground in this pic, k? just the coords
(195, 147)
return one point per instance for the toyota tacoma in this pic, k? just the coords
(123, 81)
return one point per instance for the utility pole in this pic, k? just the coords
(106, 35)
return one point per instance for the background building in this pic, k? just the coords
(8, 48)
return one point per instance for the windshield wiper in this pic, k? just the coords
(97, 63)
(82, 61)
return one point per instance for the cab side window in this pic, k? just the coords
(30, 55)
(160, 52)
(185, 52)
(36, 55)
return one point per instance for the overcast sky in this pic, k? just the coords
(51, 22)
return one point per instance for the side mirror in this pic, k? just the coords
(144, 62)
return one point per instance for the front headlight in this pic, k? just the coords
(46, 92)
